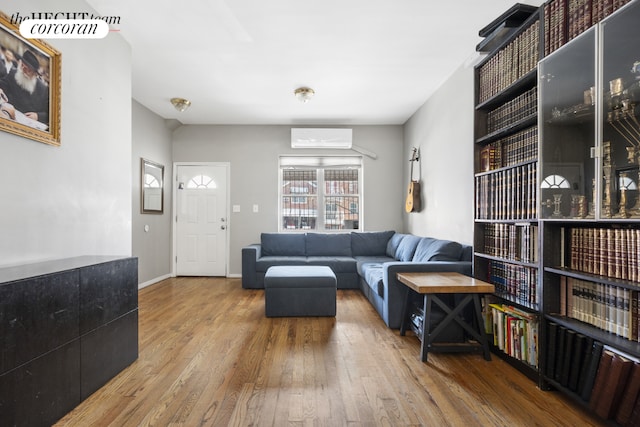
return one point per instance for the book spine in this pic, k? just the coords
(600, 379)
(587, 382)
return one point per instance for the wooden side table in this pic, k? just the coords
(432, 284)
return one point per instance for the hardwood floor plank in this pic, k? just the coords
(209, 357)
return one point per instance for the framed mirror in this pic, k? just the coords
(152, 187)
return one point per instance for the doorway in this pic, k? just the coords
(201, 214)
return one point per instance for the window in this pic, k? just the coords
(320, 193)
(555, 181)
(201, 182)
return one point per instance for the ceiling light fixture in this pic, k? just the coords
(304, 94)
(181, 104)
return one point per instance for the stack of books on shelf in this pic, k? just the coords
(514, 331)
(510, 63)
(516, 283)
(606, 379)
(566, 19)
(519, 108)
(616, 388)
(572, 359)
(610, 252)
(611, 308)
(508, 194)
(520, 147)
(518, 242)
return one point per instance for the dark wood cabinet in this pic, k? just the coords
(66, 328)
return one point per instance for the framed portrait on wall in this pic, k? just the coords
(29, 85)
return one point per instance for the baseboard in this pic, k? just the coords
(234, 276)
(153, 281)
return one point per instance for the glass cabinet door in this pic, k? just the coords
(567, 130)
(620, 83)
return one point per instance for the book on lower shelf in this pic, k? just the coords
(572, 359)
(629, 398)
(514, 331)
(615, 390)
(605, 378)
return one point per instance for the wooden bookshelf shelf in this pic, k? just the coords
(606, 280)
(509, 130)
(522, 84)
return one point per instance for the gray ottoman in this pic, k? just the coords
(304, 290)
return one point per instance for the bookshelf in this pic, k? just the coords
(589, 140)
(506, 231)
(557, 201)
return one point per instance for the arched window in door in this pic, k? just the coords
(201, 182)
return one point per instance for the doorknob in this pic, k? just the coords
(222, 227)
(222, 219)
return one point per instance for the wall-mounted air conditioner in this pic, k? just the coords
(321, 138)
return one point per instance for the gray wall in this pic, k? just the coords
(152, 141)
(443, 131)
(74, 199)
(253, 151)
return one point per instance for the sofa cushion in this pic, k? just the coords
(263, 263)
(339, 264)
(321, 244)
(370, 243)
(407, 247)
(430, 249)
(287, 244)
(373, 277)
(362, 260)
(393, 243)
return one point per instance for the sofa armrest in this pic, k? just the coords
(395, 267)
(396, 291)
(250, 255)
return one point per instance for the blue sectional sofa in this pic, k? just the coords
(365, 260)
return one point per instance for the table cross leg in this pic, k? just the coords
(453, 315)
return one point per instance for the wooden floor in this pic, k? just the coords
(208, 356)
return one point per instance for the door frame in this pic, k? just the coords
(174, 212)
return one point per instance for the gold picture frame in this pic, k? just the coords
(41, 120)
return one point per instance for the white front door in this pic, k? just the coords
(201, 220)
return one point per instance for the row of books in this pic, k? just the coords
(517, 148)
(606, 379)
(515, 332)
(616, 389)
(608, 307)
(566, 19)
(610, 252)
(508, 194)
(509, 64)
(517, 242)
(572, 359)
(516, 283)
(521, 107)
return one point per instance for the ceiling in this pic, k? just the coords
(239, 61)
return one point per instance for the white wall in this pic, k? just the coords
(442, 129)
(253, 151)
(74, 199)
(152, 141)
